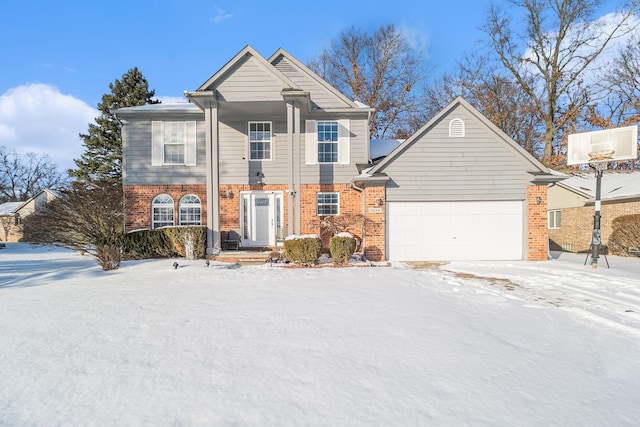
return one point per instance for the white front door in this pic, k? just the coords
(261, 215)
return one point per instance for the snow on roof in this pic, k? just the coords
(614, 184)
(382, 147)
(169, 106)
(9, 208)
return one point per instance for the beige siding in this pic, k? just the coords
(320, 96)
(478, 166)
(249, 81)
(137, 169)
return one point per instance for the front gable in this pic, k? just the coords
(459, 155)
(323, 95)
(248, 77)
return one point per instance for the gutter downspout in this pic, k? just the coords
(363, 197)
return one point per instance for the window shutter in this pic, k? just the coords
(344, 143)
(157, 145)
(190, 146)
(311, 143)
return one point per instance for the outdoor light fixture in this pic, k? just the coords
(208, 263)
(378, 202)
(229, 194)
(538, 200)
(175, 265)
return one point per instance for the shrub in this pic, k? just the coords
(303, 250)
(168, 242)
(625, 235)
(342, 246)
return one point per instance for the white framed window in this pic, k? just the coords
(327, 136)
(260, 140)
(456, 128)
(327, 204)
(162, 211)
(190, 210)
(173, 143)
(554, 219)
(327, 142)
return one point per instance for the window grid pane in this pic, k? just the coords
(327, 204)
(190, 210)
(162, 211)
(327, 142)
(260, 140)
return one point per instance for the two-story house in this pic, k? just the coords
(268, 147)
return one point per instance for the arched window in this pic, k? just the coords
(162, 211)
(190, 210)
(456, 128)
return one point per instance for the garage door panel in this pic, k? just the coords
(455, 230)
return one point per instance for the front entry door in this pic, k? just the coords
(261, 216)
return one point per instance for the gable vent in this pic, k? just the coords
(456, 128)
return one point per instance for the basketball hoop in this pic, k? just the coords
(599, 160)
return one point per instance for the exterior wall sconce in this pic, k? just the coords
(538, 200)
(229, 194)
(378, 202)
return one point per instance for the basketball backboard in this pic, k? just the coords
(622, 141)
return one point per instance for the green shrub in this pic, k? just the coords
(303, 250)
(625, 235)
(168, 242)
(342, 246)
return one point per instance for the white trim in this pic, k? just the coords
(271, 142)
(337, 204)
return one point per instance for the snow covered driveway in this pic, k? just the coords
(550, 343)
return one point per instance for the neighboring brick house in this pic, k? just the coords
(572, 206)
(267, 147)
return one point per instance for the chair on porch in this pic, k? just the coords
(231, 239)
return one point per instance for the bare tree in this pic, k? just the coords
(87, 217)
(380, 70)
(492, 92)
(24, 176)
(548, 58)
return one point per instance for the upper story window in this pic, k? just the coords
(554, 219)
(162, 211)
(327, 204)
(190, 210)
(456, 128)
(173, 143)
(259, 140)
(327, 142)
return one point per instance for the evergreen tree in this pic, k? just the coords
(102, 159)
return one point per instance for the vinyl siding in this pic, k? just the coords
(478, 166)
(320, 96)
(249, 81)
(334, 173)
(137, 169)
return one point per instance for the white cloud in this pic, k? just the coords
(221, 15)
(37, 118)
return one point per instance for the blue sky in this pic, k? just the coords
(59, 57)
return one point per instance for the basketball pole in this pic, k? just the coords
(596, 237)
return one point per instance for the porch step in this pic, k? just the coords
(242, 257)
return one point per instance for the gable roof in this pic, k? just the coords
(314, 77)
(237, 59)
(614, 184)
(541, 173)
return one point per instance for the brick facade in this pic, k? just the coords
(576, 227)
(138, 200)
(537, 237)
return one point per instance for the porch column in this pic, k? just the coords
(297, 166)
(213, 177)
(290, 184)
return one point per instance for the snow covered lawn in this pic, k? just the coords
(467, 343)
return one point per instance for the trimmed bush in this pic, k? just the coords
(168, 242)
(342, 246)
(625, 235)
(303, 250)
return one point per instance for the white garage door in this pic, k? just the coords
(447, 231)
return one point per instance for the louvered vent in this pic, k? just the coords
(456, 128)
